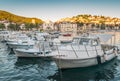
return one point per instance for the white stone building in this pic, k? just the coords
(48, 25)
(68, 27)
(6, 23)
(22, 26)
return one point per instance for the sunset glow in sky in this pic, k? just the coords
(57, 9)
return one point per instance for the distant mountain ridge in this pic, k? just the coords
(4, 15)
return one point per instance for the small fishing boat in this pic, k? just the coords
(21, 41)
(84, 51)
(21, 44)
(4, 35)
(41, 49)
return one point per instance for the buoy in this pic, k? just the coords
(105, 57)
(118, 50)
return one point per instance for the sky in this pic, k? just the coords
(57, 9)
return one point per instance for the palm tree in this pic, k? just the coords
(2, 26)
(17, 27)
(36, 26)
(29, 26)
(102, 26)
(11, 26)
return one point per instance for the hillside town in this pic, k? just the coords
(67, 25)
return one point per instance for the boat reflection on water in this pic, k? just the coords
(104, 72)
(38, 69)
(39, 62)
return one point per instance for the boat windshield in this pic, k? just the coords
(44, 46)
(94, 42)
(75, 41)
(85, 41)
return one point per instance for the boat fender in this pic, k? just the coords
(6, 43)
(105, 57)
(51, 44)
(98, 59)
(35, 53)
(47, 52)
(115, 51)
(118, 50)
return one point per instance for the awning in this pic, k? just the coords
(104, 37)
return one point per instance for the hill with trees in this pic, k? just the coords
(93, 22)
(4, 15)
(91, 19)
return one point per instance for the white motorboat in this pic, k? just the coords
(16, 37)
(42, 49)
(21, 45)
(22, 41)
(4, 35)
(84, 52)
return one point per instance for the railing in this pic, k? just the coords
(75, 51)
(72, 49)
(86, 50)
(96, 50)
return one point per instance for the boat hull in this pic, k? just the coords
(77, 63)
(23, 54)
(33, 54)
(15, 46)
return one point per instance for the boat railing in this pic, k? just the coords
(86, 50)
(43, 46)
(96, 50)
(58, 46)
(73, 48)
(74, 51)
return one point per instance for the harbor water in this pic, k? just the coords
(39, 69)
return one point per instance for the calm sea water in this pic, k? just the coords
(37, 69)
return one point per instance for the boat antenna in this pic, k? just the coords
(44, 48)
(39, 45)
(60, 71)
(114, 37)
